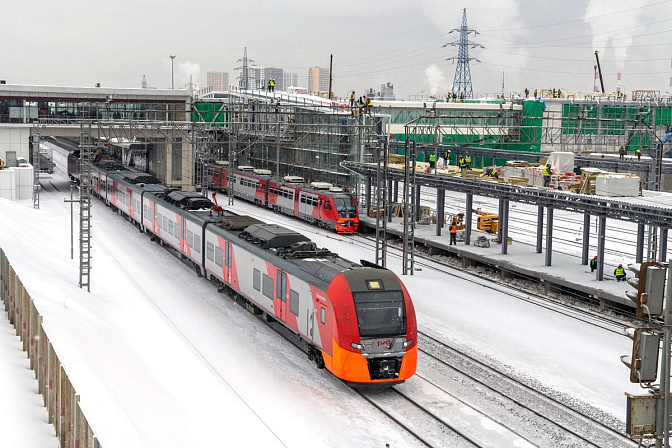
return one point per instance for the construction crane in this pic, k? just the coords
(599, 70)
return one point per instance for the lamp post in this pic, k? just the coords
(172, 72)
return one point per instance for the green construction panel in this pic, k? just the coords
(208, 113)
(531, 125)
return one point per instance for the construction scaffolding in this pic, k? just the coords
(286, 137)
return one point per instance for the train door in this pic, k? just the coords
(182, 244)
(281, 292)
(227, 262)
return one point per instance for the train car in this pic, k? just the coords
(319, 203)
(357, 321)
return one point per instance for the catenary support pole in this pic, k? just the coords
(389, 199)
(417, 202)
(639, 250)
(540, 228)
(367, 199)
(663, 408)
(468, 213)
(440, 209)
(549, 236)
(585, 246)
(504, 222)
(601, 237)
(663, 245)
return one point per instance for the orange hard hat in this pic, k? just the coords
(595, 256)
(620, 265)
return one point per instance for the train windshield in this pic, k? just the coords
(345, 204)
(380, 313)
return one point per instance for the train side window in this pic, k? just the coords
(219, 256)
(323, 315)
(268, 286)
(170, 226)
(327, 204)
(294, 302)
(211, 252)
(176, 231)
(197, 243)
(190, 238)
(159, 220)
(165, 222)
(256, 279)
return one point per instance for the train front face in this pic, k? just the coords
(374, 330)
(348, 217)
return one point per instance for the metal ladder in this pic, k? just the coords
(36, 170)
(409, 207)
(381, 203)
(86, 149)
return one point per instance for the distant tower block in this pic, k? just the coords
(462, 81)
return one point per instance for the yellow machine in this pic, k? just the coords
(459, 220)
(487, 222)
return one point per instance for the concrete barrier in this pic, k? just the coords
(60, 397)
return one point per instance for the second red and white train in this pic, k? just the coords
(319, 203)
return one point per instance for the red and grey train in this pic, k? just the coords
(319, 203)
(358, 321)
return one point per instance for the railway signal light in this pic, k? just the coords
(643, 363)
(650, 284)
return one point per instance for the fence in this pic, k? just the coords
(60, 397)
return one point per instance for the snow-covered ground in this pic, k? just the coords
(161, 359)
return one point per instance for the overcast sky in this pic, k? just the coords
(532, 43)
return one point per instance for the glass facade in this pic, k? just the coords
(28, 110)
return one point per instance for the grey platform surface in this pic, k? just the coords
(566, 269)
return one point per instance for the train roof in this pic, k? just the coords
(188, 200)
(295, 251)
(272, 236)
(140, 178)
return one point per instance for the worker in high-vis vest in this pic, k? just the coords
(432, 160)
(462, 164)
(467, 160)
(619, 273)
(547, 175)
(453, 233)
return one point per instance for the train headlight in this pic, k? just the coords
(357, 346)
(407, 343)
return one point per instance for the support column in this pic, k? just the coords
(396, 191)
(663, 245)
(504, 223)
(500, 215)
(367, 198)
(417, 202)
(639, 249)
(549, 237)
(586, 239)
(389, 199)
(601, 237)
(440, 209)
(469, 206)
(540, 228)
